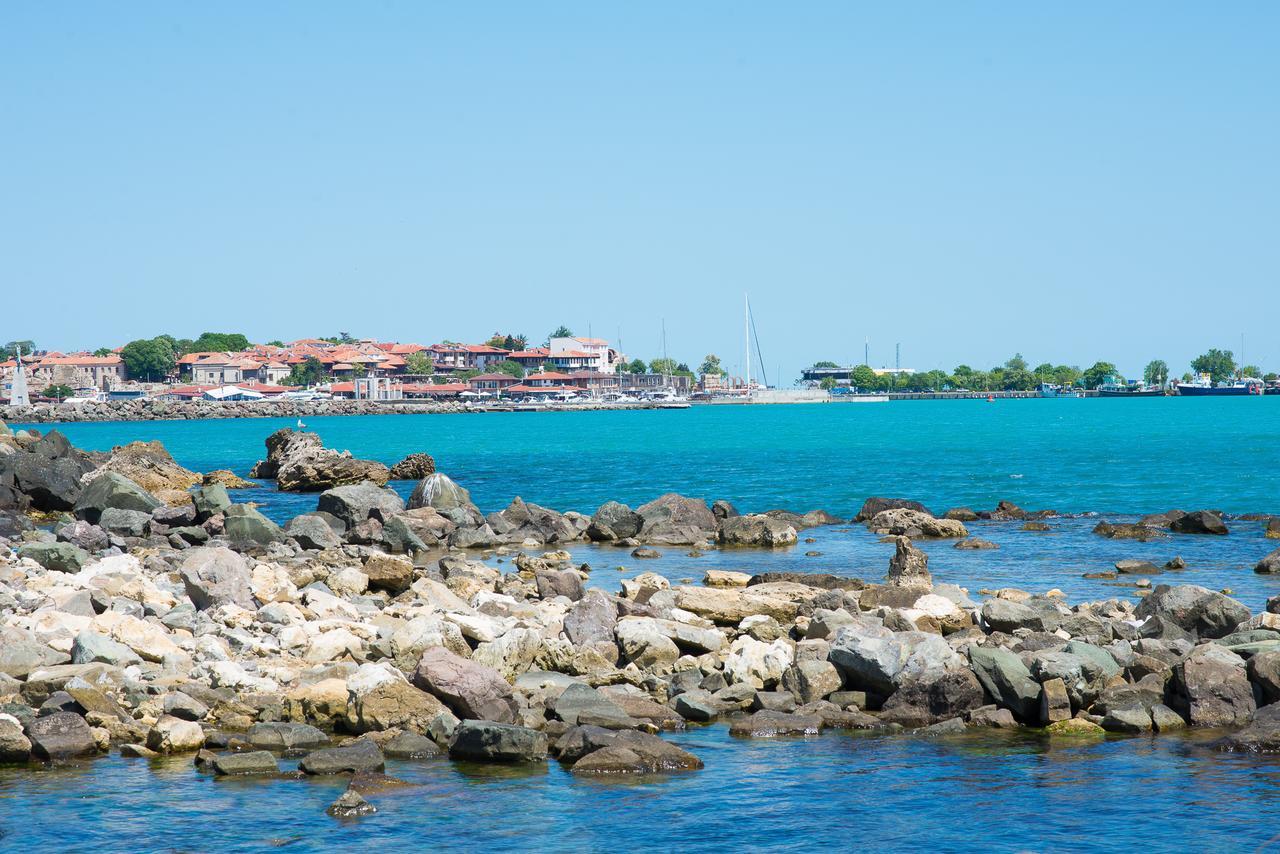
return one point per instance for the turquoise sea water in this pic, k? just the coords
(987, 792)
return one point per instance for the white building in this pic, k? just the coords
(584, 354)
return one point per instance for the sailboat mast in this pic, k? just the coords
(746, 338)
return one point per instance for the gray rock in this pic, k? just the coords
(111, 490)
(90, 647)
(214, 576)
(1005, 615)
(559, 582)
(84, 535)
(767, 724)
(757, 530)
(1194, 609)
(281, 737)
(1264, 672)
(1008, 680)
(1127, 719)
(124, 523)
(1214, 686)
(929, 700)
(880, 661)
(351, 804)
(811, 680)
(581, 704)
(410, 745)
(14, 746)
(614, 521)
(698, 705)
(1269, 565)
(18, 658)
(441, 492)
(487, 741)
(312, 532)
(1262, 735)
(1199, 522)
(470, 690)
(359, 501)
(211, 500)
(677, 511)
(361, 755)
(248, 763)
(872, 507)
(56, 557)
(592, 619)
(244, 524)
(62, 735)
(184, 707)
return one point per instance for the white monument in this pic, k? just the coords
(18, 391)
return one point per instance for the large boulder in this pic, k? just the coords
(171, 734)
(472, 691)
(244, 524)
(522, 520)
(676, 510)
(215, 576)
(1006, 678)
(109, 490)
(300, 463)
(591, 620)
(312, 532)
(361, 755)
(595, 750)
(1199, 522)
(487, 741)
(58, 557)
(393, 704)
(1262, 735)
(356, 502)
(210, 500)
(61, 735)
(150, 466)
(21, 656)
(614, 521)
(1212, 684)
(14, 745)
(1193, 609)
(442, 493)
(756, 530)
(926, 700)
(912, 523)
(875, 659)
(1269, 565)
(874, 506)
(48, 474)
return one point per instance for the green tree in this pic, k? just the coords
(824, 364)
(148, 359)
(1067, 374)
(1271, 376)
(662, 366)
(218, 342)
(1155, 373)
(508, 342)
(561, 331)
(58, 392)
(711, 365)
(8, 351)
(275, 343)
(309, 372)
(419, 363)
(102, 352)
(1219, 364)
(683, 370)
(1251, 371)
(637, 366)
(1098, 373)
(827, 383)
(863, 377)
(506, 366)
(464, 376)
(1017, 363)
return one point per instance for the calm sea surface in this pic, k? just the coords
(983, 792)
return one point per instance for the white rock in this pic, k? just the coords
(758, 663)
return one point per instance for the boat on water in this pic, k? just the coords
(1204, 386)
(1114, 387)
(1056, 390)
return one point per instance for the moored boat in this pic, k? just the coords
(1203, 386)
(1114, 387)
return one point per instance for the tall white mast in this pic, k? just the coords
(746, 338)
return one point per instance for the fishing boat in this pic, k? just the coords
(1056, 390)
(1203, 386)
(1114, 387)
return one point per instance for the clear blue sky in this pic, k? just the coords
(1071, 181)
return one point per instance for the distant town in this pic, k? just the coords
(228, 367)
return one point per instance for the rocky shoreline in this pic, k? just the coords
(142, 610)
(174, 410)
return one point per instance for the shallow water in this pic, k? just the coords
(1074, 456)
(988, 792)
